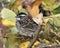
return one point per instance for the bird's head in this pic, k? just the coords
(21, 16)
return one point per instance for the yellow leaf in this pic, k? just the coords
(8, 23)
(24, 45)
(34, 11)
(34, 8)
(19, 7)
(35, 44)
(46, 20)
(16, 4)
(46, 41)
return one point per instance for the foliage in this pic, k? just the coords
(50, 33)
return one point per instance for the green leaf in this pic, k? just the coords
(23, 11)
(56, 10)
(14, 30)
(57, 15)
(4, 40)
(16, 10)
(56, 5)
(12, 41)
(2, 0)
(12, 1)
(57, 22)
(50, 4)
(56, 28)
(8, 14)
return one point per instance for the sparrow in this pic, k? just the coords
(25, 24)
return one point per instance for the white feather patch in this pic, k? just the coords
(22, 15)
(17, 18)
(38, 19)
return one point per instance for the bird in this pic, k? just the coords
(25, 24)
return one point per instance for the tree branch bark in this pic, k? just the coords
(35, 36)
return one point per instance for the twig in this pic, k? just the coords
(54, 33)
(49, 46)
(1, 40)
(35, 36)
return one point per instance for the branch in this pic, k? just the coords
(54, 33)
(49, 46)
(35, 36)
